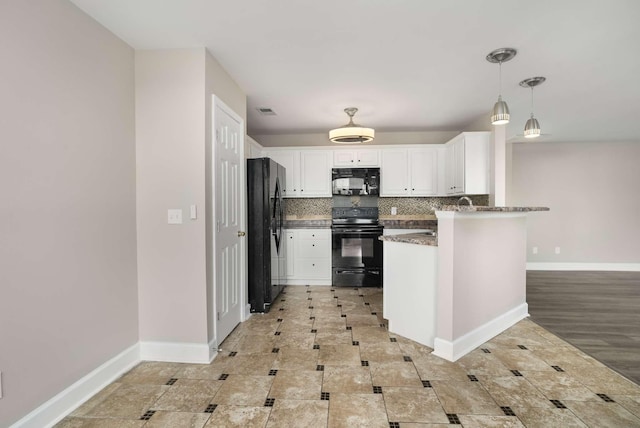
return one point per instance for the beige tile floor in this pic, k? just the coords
(323, 358)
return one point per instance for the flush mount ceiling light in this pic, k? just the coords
(532, 127)
(351, 133)
(500, 113)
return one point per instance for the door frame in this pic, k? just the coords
(242, 307)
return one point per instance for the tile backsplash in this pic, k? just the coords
(302, 207)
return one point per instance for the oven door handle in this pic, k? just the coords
(360, 231)
(339, 271)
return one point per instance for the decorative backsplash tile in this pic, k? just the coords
(303, 207)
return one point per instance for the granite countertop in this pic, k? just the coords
(413, 238)
(420, 221)
(467, 209)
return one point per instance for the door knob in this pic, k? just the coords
(241, 233)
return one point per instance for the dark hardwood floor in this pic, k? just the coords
(598, 312)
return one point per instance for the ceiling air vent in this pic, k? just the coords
(266, 111)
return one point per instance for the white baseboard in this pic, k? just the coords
(621, 267)
(69, 399)
(305, 282)
(177, 352)
(461, 346)
(247, 312)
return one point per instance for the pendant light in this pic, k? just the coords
(532, 127)
(500, 113)
(351, 133)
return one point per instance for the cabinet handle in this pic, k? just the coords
(302, 190)
(351, 160)
(413, 190)
(405, 188)
(313, 264)
(313, 245)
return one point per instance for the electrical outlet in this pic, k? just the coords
(394, 210)
(557, 250)
(534, 250)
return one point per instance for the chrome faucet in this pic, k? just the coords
(465, 198)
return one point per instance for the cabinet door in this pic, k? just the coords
(366, 158)
(455, 166)
(290, 160)
(458, 166)
(290, 251)
(394, 175)
(423, 169)
(344, 158)
(315, 173)
(476, 163)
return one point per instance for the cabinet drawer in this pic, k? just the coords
(313, 248)
(314, 269)
(319, 234)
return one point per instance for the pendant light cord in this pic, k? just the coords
(532, 101)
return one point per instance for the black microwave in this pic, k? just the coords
(355, 181)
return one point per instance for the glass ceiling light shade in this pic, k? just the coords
(351, 133)
(532, 127)
(500, 113)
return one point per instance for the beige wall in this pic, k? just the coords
(592, 190)
(170, 135)
(322, 139)
(217, 82)
(174, 91)
(68, 299)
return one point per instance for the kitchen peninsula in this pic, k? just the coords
(455, 291)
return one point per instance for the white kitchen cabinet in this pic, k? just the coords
(356, 158)
(308, 172)
(315, 174)
(409, 172)
(290, 250)
(308, 256)
(467, 164)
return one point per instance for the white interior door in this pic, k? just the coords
(228, 141)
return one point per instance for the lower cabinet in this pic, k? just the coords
(308, 256)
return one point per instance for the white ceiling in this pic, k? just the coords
(408, 65)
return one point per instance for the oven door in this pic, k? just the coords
(356, 257)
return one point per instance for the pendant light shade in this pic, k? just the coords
(500, 113)
(532, 127)
(351, 133)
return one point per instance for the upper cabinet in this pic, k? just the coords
(458, 167)
(356, 158)
(409, 172)
(308, 172)
(467, 164)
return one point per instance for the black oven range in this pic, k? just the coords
(356, 251)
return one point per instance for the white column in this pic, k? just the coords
(498, 195)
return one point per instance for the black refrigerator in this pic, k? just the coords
(267, 264)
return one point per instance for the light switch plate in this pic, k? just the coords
(193, 212)
(174, 216)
